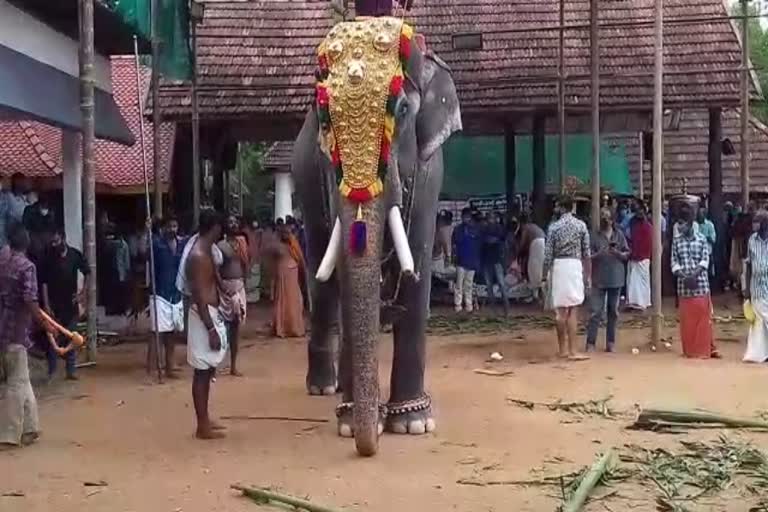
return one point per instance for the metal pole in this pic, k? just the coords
(658, 155)
(594, 34)
(139, 90)
(240, 179)
(641, 170)
(156, 117)
(745, 114)
(87, 108)
(561, 98)
(195, 133)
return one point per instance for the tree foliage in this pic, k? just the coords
(758, 54)
(259, 185)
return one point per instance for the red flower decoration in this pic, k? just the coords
(359, 195)
(405, 47)
(323, 62)
(396, 86)
(322, 96)
(385, 149)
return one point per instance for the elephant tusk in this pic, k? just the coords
(400, 239)
(325, 270)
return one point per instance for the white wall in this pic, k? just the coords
(25, 34)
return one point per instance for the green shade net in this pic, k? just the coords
(172, 28)
(474, 166)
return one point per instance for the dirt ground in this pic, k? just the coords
(137, 437)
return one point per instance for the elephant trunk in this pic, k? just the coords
(360, 289)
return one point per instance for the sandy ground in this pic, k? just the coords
(137, 437)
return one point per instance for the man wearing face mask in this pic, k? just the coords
(40, 222)
(609, 254)
(61, 298)
(690, 263)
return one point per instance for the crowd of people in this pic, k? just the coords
(202, 284)
(609, 269)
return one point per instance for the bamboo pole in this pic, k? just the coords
(652, 418)
(156, 338)
(594, 37)
(745, 114)
(87, 109)
(196, 180)
(641, 170)
(266, 496)
(590, 481)
(561, 98)
(156, 114)
(658, 156)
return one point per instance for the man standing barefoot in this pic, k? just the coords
(234, 303)
(206, 331)
(567, 255)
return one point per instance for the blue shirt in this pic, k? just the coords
(167, 267)
(468, 244)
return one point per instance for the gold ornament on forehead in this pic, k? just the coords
(363, 57)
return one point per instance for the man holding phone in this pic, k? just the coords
(609, 254)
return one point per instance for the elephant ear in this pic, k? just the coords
(439, 115)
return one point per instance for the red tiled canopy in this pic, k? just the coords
(257, 58)
(34, 149)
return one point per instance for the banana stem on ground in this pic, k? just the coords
(651, 418)
(263, 495)
(590, 481)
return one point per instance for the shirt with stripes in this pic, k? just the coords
(689, 253)
(757, 255)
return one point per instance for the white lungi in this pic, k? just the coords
(199, 353)
(18, 406)
(567, 283)
(536, 263)
(757, 341)
(639, 284)
(170, 317)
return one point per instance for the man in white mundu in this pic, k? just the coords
(567, 265)
(757, 292)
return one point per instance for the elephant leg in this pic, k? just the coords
(410, 407)
(311, 179)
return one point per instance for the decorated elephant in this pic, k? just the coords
(368, 168)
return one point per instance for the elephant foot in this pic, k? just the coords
(411, 417)
(346, 421)
(316, 390)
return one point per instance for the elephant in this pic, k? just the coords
(393, 276)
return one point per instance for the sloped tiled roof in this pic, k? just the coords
(686, 150)
(257, 57)
(34, 149)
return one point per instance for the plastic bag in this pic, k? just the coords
(749, 312)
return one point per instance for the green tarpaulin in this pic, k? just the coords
(474, 166)
(172, 28)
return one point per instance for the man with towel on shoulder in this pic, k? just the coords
(567, 258)
(206, 330)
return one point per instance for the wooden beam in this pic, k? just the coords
(561, 100)
(745, 113)
(716, 215)
(594, 35)
(156, 114)
(510, 168)
(87, 108)
(539, 193)
(658, 161)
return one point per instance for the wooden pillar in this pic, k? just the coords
(594, 52)
(539, 193)
(716, 190)
(510, 169)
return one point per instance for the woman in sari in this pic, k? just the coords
(289, 272)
